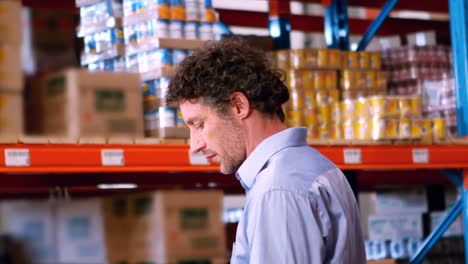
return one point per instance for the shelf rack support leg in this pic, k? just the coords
(432, 239)
(455, 177)
(458, 10)
(375, 25)
(279, 23)
(336, 25)
(465, 211)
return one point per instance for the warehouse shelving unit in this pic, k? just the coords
(144, 163)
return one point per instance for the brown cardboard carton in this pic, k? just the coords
(172, 225)
(80, 104)
(11, 22)
(11, 76)
(11, 115)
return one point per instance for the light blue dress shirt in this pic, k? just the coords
(299, 208)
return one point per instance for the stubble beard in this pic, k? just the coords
(234, 143)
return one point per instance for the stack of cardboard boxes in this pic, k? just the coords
(11, 77)
(162, 227)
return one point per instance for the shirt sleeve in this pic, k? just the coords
(286, 227)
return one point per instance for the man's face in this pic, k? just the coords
(218, 138)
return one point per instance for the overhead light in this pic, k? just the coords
(106, 186)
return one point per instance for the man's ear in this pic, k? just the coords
(241, 105)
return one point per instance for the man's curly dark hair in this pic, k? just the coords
(213, 72)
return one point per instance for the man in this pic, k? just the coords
(299, 208)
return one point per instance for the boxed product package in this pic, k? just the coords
(11, 75)
(10, 22)
(180, 226)
(79, 104)
(32, 224)
(395, 226)
(411, 200)
(455, 229)
(117, 228)
(11, 115)
(80, 236)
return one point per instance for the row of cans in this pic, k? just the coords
(353, 110)
(329, 79)
(424, 54)
(309, 99)
(401, 72)
(141, 62)
(163, 117)
(188, 10)
(380, 128)
(145, 32)
(327, 59)
(358, 79)
(403, 248)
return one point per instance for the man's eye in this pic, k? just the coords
(199, 126)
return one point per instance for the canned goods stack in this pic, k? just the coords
(312, 79)
(439, 103)
(123, 35)
(408, 65)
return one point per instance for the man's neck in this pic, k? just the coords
(258, 128)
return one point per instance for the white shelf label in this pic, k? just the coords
(17, 158)
(420, 155)
(198, 159)
(352, 156)
(112, 157)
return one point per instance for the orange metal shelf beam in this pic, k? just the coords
(175, 158)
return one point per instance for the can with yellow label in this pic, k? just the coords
(310, 117)
(334, 96)
(310, 100)
(353, 94)
(383, 128)
(391, 106)
(296, 99)
(362, 108)
(404, 128)
(324, 131)
(312, 132)
(404, 106)
(331, 80)
(371, 80)
(360, 80)
(438, 129)
(416, 127)
(375, 62)
(310, 58)
(381, 80)
(363, 129)
(350, 60)
(282, 59)
(307, 79)
(336, 112)
(364, 60)
(335, 131)
(350, 130)
(349, 110)
(296, 118)
(348, 80)
(320, 80)
(322, 97)
(334, 58)
(297, 58)
(415, 104)
(322, 58)
(426, 129)
(324, 115)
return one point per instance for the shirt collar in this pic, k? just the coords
(249, 169)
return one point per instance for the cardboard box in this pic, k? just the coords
(11, 115)
(33, 224)
(80, 236)
(455, 230)
(172, 225)
(423, 38)
(11, 24)
(117, 228)
(395, 226)
(11, 75)
(169, 132)
(80, 104)
(401, 200)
